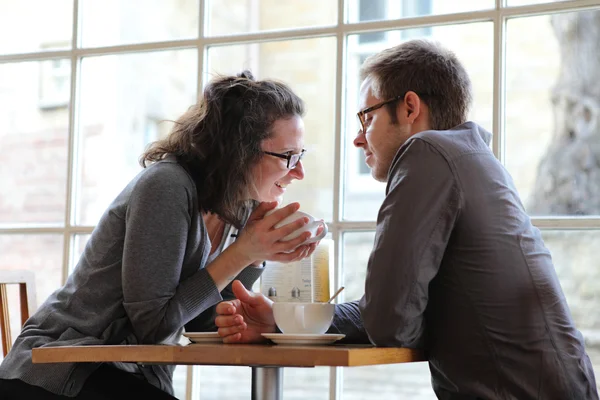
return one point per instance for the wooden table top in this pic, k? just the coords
(231, 354)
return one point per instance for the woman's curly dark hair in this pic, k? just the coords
(218, 140)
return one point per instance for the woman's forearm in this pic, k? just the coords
(226, 266)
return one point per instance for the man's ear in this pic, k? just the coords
(412, 106)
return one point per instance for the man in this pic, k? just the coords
(457, 268)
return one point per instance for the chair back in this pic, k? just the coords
(26, 281)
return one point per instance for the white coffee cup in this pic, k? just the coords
(312, 226)
(303, 318)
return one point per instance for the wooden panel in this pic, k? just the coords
(25, 278)
(26, 281)
(5, 320)
(233, 354)
(24, 302)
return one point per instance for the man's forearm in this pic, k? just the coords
(347, 320)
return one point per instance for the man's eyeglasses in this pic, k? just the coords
(292, 158)
(361, 114)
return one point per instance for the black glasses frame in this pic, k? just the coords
(361, 113)
(292, 159)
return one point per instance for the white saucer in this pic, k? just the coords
(203, 337)
(303, 338)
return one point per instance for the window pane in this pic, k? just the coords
(394, 381)
(114, 22)
(512, 3)
(553, 112)
(374, 10)
(215, 383)
(34, 116)
(226, 17)
(41, 254)
(180, 381)
(35, 25)
(125, 100)
(79, 242)
(575, 257)
(574, 254)
(306, 383)
(398, 381)
(473, 45)
(357, 249)
(294, 63)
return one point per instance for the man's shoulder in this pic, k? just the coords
(462, 139)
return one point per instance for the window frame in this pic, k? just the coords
(341, 31)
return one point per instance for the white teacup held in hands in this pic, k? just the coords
(303, 318)
(312, 226)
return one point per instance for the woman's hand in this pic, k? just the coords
(310, 248)
(260, 240)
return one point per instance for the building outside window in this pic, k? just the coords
(78, 106)
(55, 82)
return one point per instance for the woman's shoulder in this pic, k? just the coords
(167, 172)
(164, 176)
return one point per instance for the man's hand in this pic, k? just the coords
(244, 319)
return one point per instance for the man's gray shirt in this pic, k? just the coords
(458, 270)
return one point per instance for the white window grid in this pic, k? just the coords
(341, 30)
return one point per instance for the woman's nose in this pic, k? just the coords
(298, 171)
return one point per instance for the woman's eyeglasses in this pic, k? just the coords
(292, 158)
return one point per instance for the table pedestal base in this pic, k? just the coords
(267, 383)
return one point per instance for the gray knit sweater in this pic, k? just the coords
(140, 279)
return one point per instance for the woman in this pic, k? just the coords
(168, 245)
